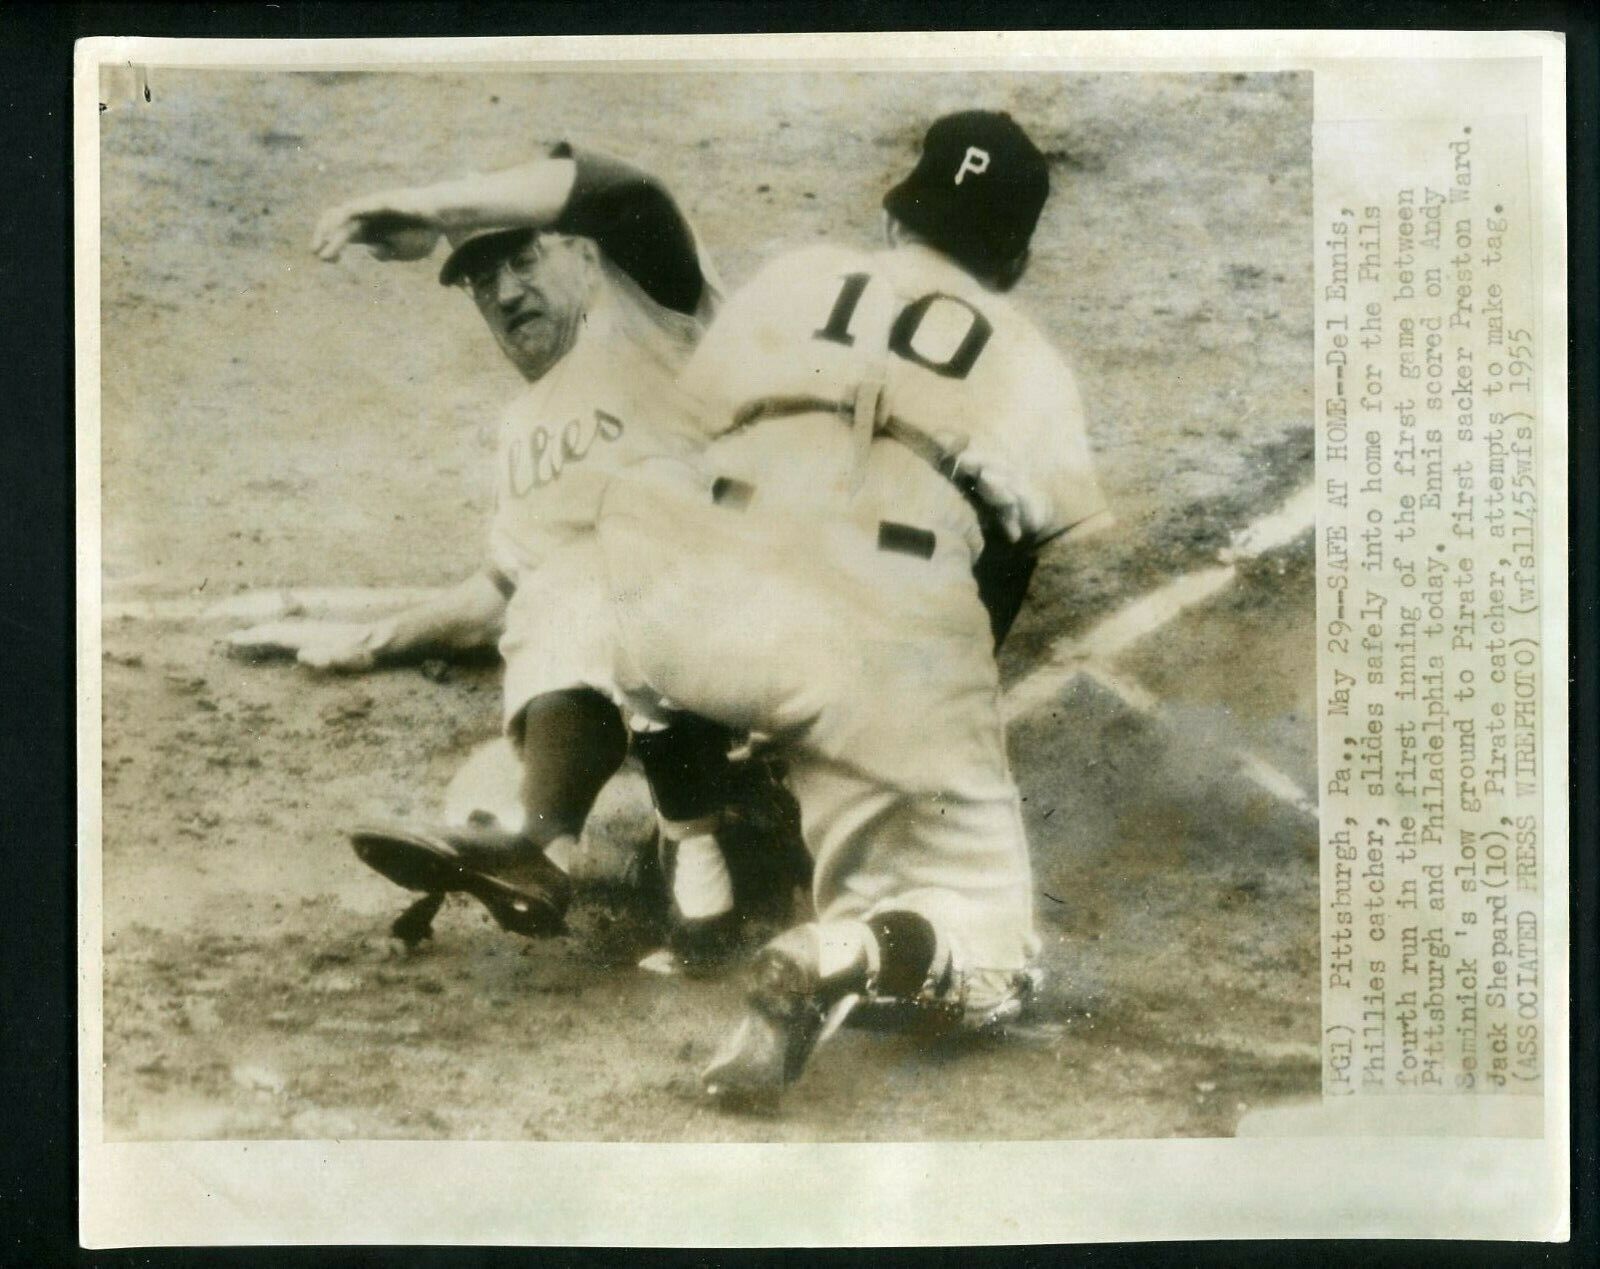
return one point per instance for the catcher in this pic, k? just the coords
(895, 444)
(593, 284)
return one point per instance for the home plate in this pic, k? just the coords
(489, 782)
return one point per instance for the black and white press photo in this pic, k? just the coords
(766, 602)
(288, 411)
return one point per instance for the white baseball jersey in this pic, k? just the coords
(606, 404)
(779, 371)
(800, 605)
(611, 402)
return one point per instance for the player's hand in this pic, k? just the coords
(335, 646)
(1004, 491)
(393, 225)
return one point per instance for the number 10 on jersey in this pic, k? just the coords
(907, 322)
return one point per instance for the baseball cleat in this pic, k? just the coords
(415, 924)
(704, 947)
(786, 1020)
(523, 891)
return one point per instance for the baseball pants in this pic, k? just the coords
(863, 650)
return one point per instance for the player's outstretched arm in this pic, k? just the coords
(405, 223)
(462, 619)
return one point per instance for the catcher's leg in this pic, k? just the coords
(571, 743)
(687, 768)
(926, 919)
(803, 985)
(893, 969)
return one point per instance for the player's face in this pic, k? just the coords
(534, 301)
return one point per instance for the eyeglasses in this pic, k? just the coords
(524, 265)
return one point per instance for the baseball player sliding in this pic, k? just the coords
(591, 280)
(894, 443)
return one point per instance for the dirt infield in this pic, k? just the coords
(270, 421)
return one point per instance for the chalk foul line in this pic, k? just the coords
(336, 603)
(1088, 656)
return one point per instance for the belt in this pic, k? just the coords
(942, 460)
(894, 537)
(939, 457)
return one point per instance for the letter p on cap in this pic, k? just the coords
(975, 161)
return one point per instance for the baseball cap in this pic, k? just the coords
(977, 191)
(627, 213)
(476, 251)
